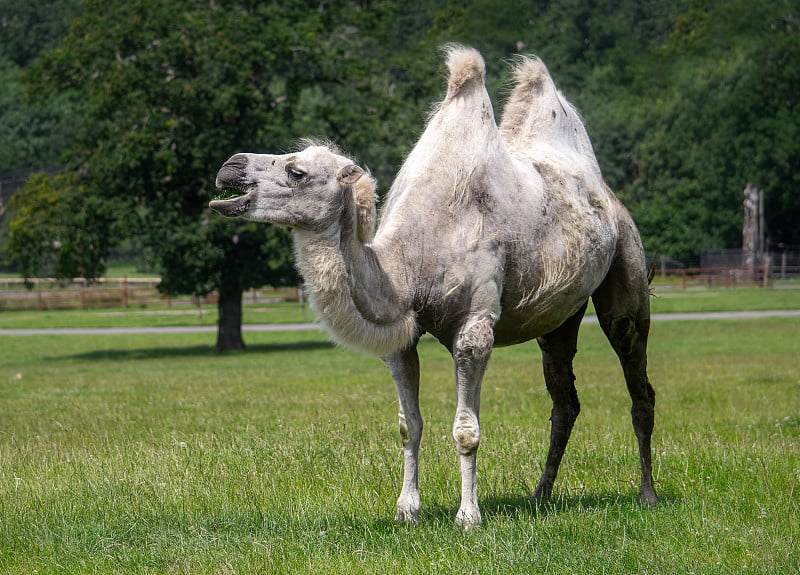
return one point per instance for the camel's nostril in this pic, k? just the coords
(232, 172)
(237, 161)
(229, 177)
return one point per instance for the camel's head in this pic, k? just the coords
(310, 190)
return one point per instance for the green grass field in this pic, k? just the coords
(150, 454)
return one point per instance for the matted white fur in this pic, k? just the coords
(329, 286)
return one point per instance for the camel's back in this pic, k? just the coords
(519, 214)
(553, 271)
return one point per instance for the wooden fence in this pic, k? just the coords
(48, 294)
(728, 277)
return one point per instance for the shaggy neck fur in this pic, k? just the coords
(349, 289)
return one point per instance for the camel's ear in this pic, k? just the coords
(349, 174)
(364, 197)
(366, 213)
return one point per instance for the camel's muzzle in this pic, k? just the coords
(231, 177)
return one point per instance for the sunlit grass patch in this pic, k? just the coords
(132, 454)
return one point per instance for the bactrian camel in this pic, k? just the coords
(489, 236)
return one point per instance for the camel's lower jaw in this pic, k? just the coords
(231, 208)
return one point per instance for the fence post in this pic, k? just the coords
(125, 291)
(783, 265)
(83, 298)
(301, 300)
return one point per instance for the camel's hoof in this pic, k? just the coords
(468, 519)
(542, 492)
(407, 518)
(407, 514)
(648, 498)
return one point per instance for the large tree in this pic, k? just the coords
(169, 90)
(686, 102)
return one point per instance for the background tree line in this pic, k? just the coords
(131, 107)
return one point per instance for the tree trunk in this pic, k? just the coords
(229, 327)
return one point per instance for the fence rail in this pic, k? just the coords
(49, 294)
(728, 276)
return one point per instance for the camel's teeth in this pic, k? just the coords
(227, 194)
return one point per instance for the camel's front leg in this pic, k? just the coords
(404, 367)
(471, 352)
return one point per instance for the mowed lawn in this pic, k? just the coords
(150, 454)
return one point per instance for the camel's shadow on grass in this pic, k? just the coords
(147, 353)
(500, 506)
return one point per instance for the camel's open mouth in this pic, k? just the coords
(227, 193)
(233, 198)
(229, 206)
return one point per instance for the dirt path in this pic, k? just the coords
(721, 315)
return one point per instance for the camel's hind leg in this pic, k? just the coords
(558, 350)
(623, 310)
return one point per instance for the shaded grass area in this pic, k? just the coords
(151, 454)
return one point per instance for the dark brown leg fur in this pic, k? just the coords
(623, 310)
(558, 350)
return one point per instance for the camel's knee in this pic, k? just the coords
(643, 411)
(467, 433)
(410, 429)
(628, 336)
(571, 409)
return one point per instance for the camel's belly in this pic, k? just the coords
(524, 324)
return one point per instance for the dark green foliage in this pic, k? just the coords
(27, 28)
(32, 137)
(169, 90)
(32, 134)
(729, 117)
(685, 101)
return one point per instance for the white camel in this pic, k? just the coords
(489, 236)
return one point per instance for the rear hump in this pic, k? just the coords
(537, 113)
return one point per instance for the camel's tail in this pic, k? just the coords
(651, 271)
(651, 274)
(466, 67)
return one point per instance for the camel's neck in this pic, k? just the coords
(352, 294)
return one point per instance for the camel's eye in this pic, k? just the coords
(294, 174)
